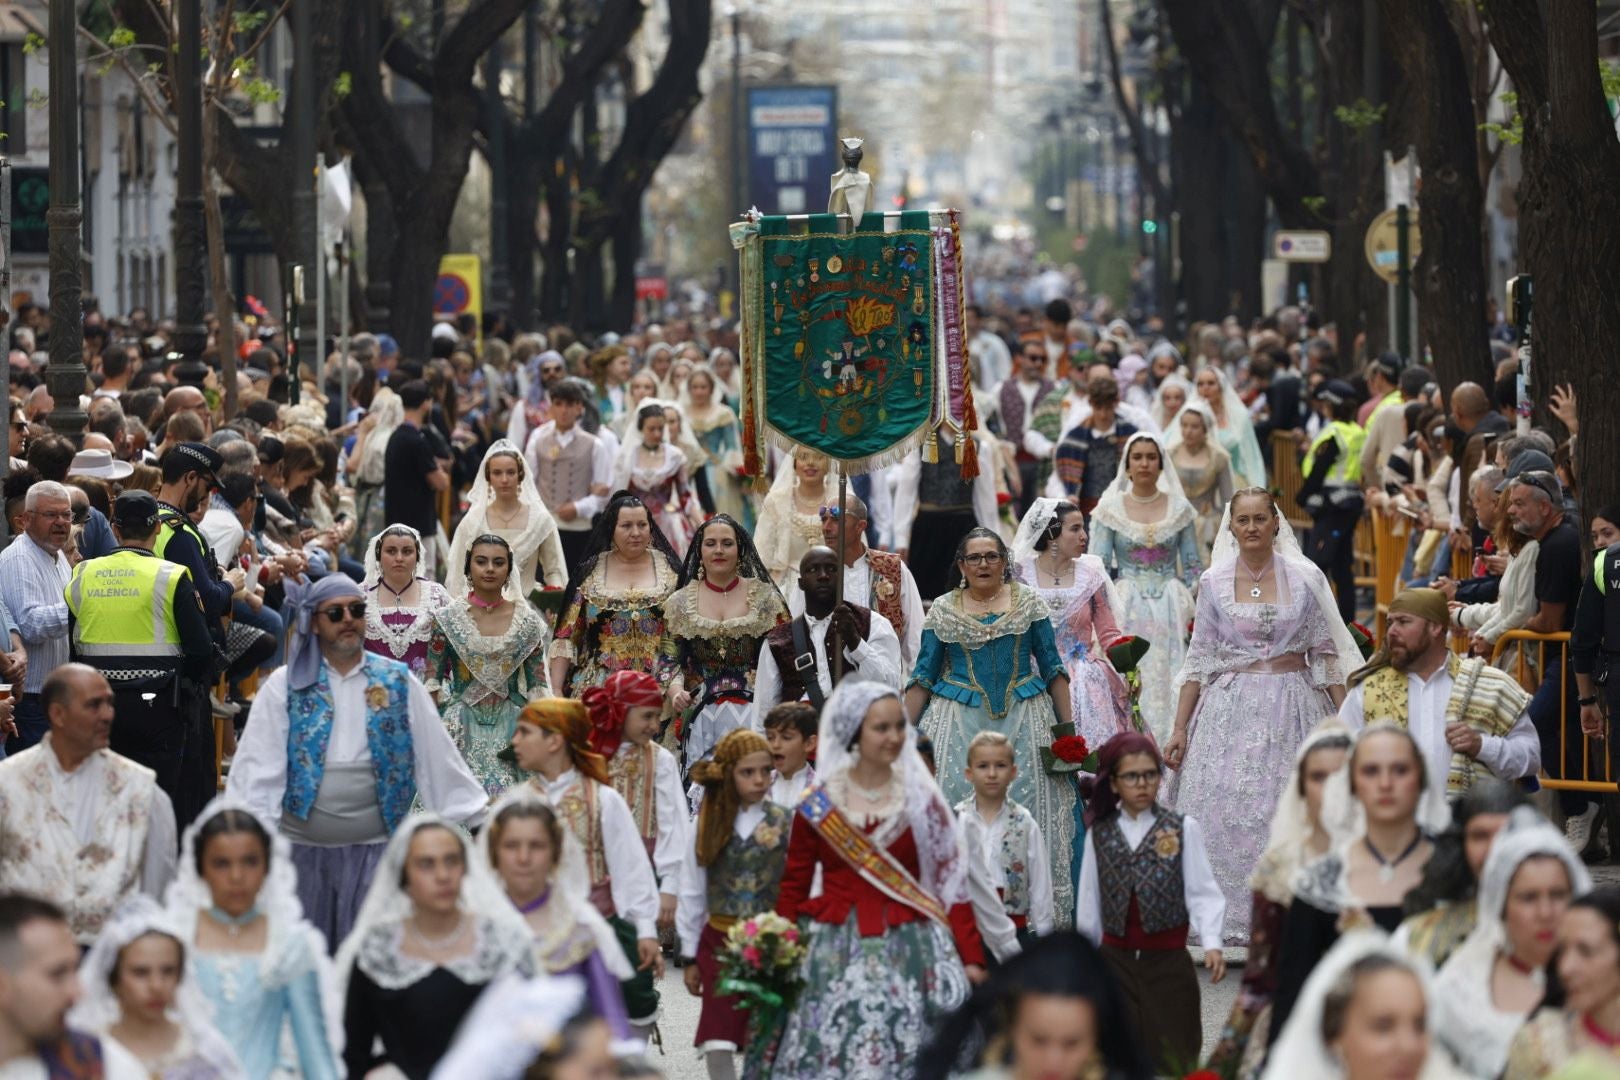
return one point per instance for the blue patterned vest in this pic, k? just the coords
(388, 736)
(1014, 853)
(744, 880)
(75, 1056)
(1151, 873)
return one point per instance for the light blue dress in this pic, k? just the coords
(990, 673)
(250, 1013)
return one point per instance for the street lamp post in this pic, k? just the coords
(190, 237)
(737, 207)
(306, 246)
(66, 373)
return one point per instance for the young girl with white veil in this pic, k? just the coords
(543, 872)
(137, 994)
(893, 943)
(656, 471)
(1203, 465)
(234, 903)
(1497, 978)
(1366, 1013)
(399, 604)
(1142, 530)
(1233, 427)
(1267, 661)
(435, 930)
(505, 502)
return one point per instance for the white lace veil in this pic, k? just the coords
(1300, 1050)
(513, 1021)
(292, 945)
(1161, 415)
(1248, 460)
(570, 882)
(1298, 569)
(933, 826)
(390, 413)
(541, 525)
(625, 463)
(1035, 523)
(1342, 814)
(1196, 404)
(387, 902)
(1291, 825)
(1111, 507)
(374, 567)
(786, 480)
(98, 1008)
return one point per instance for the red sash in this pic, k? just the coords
(879, 868)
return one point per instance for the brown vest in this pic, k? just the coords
(563, 473)
(780, 641)
(887, 581)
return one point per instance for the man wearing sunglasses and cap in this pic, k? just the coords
(137, 619)
(339, 744)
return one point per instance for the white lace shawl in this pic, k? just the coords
(539, 527)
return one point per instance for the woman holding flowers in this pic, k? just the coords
(732, 873)
(1267, 662)
(893, 944)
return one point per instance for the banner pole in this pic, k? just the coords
(838, 586)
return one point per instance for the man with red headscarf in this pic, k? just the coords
(626, 713)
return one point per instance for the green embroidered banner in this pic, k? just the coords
(846, 333)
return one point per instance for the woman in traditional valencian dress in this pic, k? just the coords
(486, 661)
(893, 942)
(989, 662)
(1204, 468)
(1143, 531)
(504, 502)
(615, 614)
(249, 949)
(1266, 664)
(399, 605)
(656, 472)
(790, 519)
(1049, 556)
(716, 621)
(1233, 428)
(716, 429)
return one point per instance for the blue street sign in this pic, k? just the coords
(792, 147)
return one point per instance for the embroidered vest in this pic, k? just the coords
(744, 880)
(887, 581)
(388, 737)
(579, 811)
(563, 473)
(635, 775)
(1014, 854)
(940, 483)
(780, 641)
(1151, 873)
(1484, 697)
(40, 854)
(75, 1056)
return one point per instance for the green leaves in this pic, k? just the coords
(1360, 114)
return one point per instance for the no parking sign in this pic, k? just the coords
(459, 290)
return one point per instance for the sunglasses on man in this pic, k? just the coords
(355, 610)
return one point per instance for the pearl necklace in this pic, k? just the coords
(875, 796)
(1131, 494)
(437, 943)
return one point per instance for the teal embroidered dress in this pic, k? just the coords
(990, 673)
(485, 682)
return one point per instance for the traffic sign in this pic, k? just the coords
(459, 289)
(1302, 245)
(1383, 244)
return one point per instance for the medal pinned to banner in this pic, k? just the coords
(851, 336)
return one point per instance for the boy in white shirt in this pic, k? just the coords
(790, 729)
(1011, 842)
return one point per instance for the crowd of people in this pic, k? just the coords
(416, 714)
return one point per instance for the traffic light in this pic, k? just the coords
(1149, 226)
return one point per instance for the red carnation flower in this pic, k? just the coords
(1071, 749)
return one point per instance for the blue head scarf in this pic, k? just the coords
(536, 393)
(303, 602)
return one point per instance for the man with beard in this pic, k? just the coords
(39, 982)
(1468, 717)
(339, 744)
(793, 661)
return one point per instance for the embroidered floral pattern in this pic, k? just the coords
(744, 880)
(388, 737)
(605, 630)
(487, 681)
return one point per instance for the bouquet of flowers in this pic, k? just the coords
(760, 965)
(1069, 753)
(1126, 656)
(1364, 639)
(549, 600)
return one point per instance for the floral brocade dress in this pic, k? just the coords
(403, 633)
(605, 630)
(990, 673)
(1156, 566)
(486, 681)
(716, 659)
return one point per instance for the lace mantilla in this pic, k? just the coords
(682, 619)
(494, 953)
(951, 623)
(492, 660)
(1111, 512)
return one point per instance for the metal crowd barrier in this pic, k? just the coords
(1604, 783)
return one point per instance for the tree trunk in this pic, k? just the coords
(626, 253)
(522, 240)
(1569, 218)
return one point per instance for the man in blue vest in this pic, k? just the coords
(138, 620)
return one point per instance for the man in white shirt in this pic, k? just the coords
(987, 350)
(1018, 398)
(1463, 713)
(572, 468)
(339, 745)
(793, 662)
(33, 574)
(39, 982)
(874, 579)
(78, 822)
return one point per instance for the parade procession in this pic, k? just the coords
(1038, 540)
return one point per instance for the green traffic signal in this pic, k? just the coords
(1150, 226)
